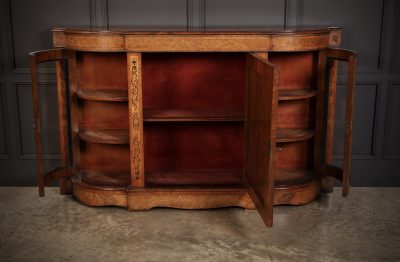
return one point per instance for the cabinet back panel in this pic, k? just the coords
(194, 81)
(102, 71)
(103, 115)
(190, 146)
(296, 70)
(104, 157)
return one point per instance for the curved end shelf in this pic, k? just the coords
(295, 178)
(195, 178)
(106, 179)
(295, 94)
(184, 115)
(105, 136)
(96, 195)
(104, 95)
(293, 134)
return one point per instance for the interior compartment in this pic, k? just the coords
(294, 155)
(193, 106)
(296, 114)
(103, 115)
(296, 70)
(103, 118)
(101, 71)
(198, 81)
(104, 157)
(193, 151)
(193, 145)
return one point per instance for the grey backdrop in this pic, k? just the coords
(370, 27)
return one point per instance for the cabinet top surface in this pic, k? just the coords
(152, 39)
(207, 31)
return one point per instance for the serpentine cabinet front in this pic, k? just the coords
(196, 120)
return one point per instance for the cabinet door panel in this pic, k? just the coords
(60, 173)
(260, 138)
(325, 133)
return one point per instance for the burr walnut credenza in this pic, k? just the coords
(196, 119)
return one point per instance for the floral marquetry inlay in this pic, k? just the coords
(136, 119)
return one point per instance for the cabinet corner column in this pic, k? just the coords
(134, 66)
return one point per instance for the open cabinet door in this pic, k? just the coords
(324, 107)
(61, 173)
(260, 141)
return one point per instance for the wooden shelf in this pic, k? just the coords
(295, 178)
(106, 179)
(293, 134)
(105, 136)
(294, 94)
(181, 115)
(195, 178)
(104, 95)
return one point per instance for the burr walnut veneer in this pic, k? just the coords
(196, 119)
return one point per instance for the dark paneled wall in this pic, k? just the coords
(370, 27)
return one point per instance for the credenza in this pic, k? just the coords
(196, 120)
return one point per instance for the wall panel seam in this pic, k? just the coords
(92, 13)
(5, 124)
(394, 50)
(388, 120)
(10, 37)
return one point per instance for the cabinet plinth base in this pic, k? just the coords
(142, 199)
(184, 198)
(96, 196)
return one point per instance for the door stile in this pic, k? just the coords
(60, 56)
(261, 107)
(322, 154)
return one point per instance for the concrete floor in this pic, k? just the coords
(363, 227)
